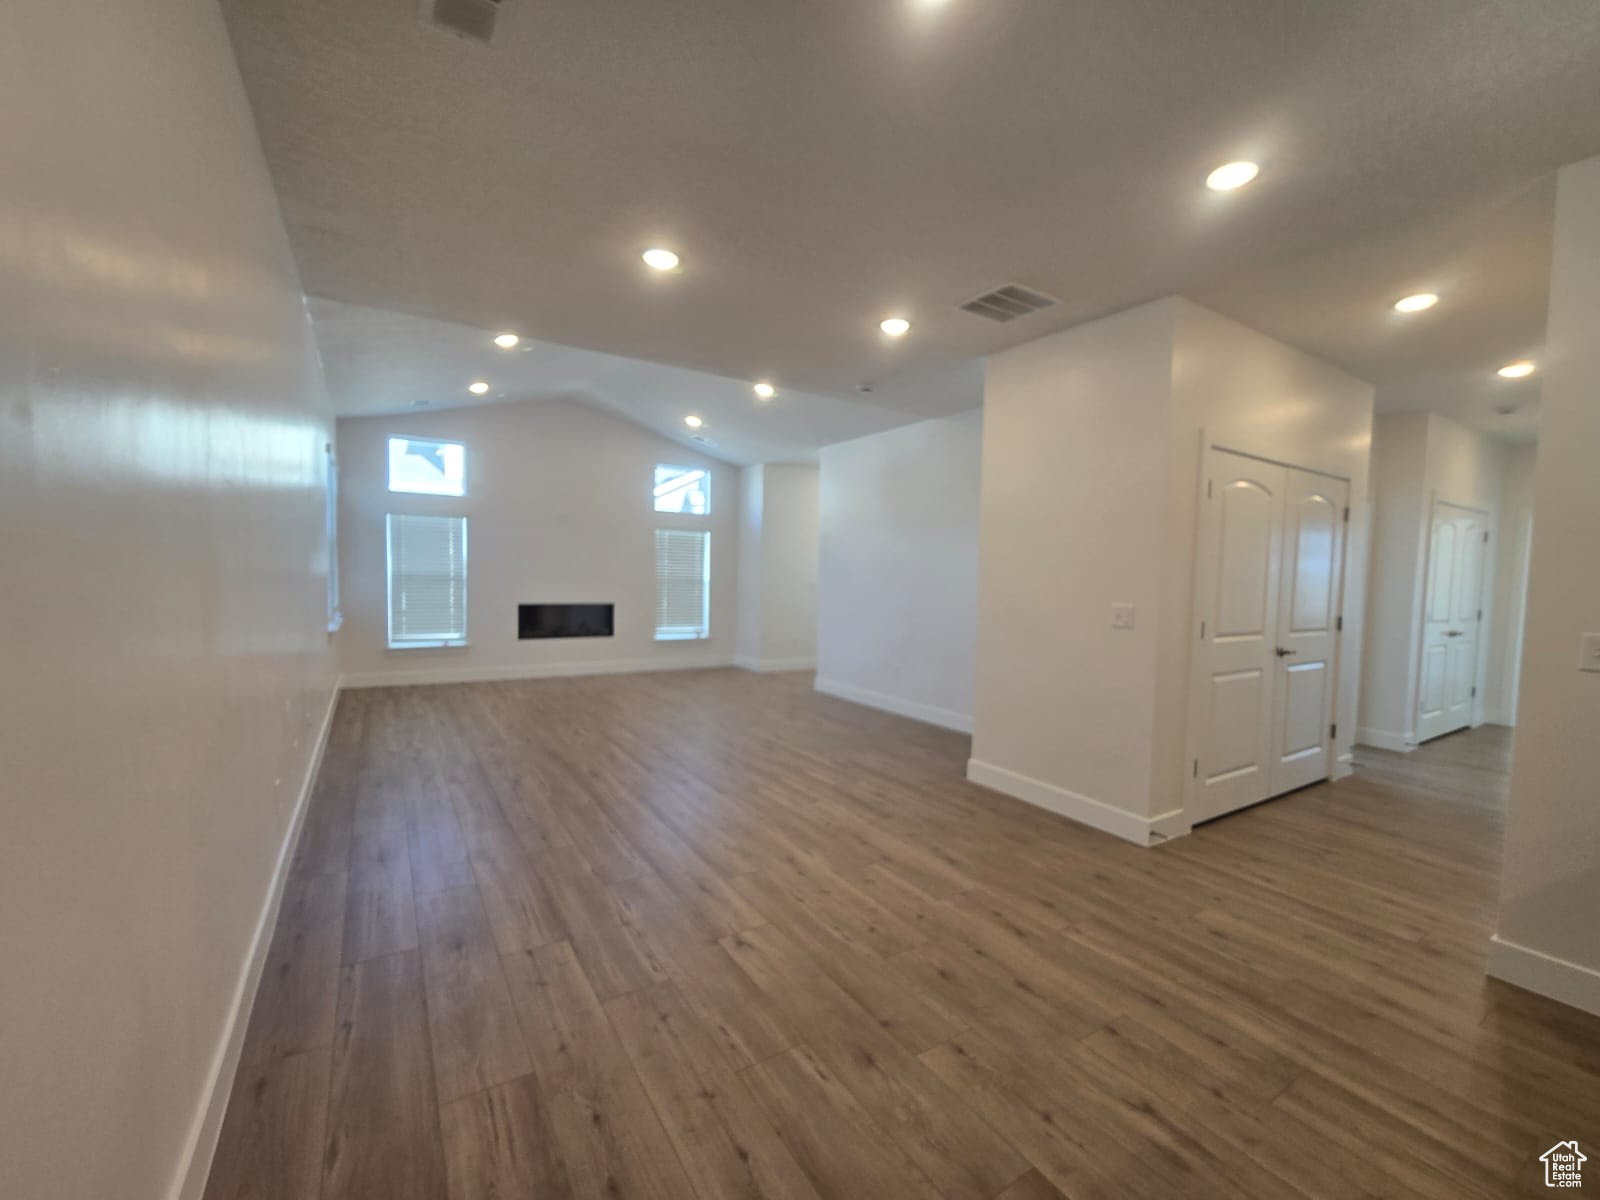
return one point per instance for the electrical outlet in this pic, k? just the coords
(1589, 652)
(1122, 616)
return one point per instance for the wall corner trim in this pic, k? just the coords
(1130, 827)
(1532, 970)
(926, 713)
(194, 1166)
(1382, 739)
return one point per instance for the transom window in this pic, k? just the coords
(683, 490)
(426, 467)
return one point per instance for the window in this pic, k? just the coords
(427, 581)
(683, 490)
(331, 517)
(429, 468)
(683, 584)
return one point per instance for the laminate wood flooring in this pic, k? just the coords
(710, 934)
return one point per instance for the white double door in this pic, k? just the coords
(1269, 579)
(1452, 616)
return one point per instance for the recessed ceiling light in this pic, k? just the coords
(477, 387)
(1516, 370)
(660, 260)
(895, 326)
(693, 422)
(765, 390)
(1232, 175)
(1411, 304)
(506, 340)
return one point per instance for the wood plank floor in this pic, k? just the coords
(710, 934)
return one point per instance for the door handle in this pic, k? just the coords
(1282, 653)
(1454, 633)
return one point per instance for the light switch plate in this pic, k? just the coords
(1589, 652)
(1122, 616)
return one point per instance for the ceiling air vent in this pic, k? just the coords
(1007, 303)
(466, 18)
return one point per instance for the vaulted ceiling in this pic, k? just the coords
(821, 165)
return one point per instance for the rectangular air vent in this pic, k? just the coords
(465, 18)
(1007, 303)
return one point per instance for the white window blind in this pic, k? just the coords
(427, 581)
(683, 584)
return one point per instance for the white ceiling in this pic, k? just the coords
(820, 165)
(380, 363)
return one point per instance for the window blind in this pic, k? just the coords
(683, 584)
(427, 581)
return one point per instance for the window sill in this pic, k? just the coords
(336, 622)
(460, 645)
(683, 637)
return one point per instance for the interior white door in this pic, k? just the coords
(1238, 576)
(1452, 616)
(1307, 630)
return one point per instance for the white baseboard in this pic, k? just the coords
(774, 664)
(1494, 716)
(1343, 767)
(189, 1182)
(1382, 739)
(615, 666)
(927, 713)
(1567, 982)
(1118, 822)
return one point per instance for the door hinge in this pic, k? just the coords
(1338, 625)
(1474, 693)
(1485, 537)
(1480, 614)
(1209, 484)
(1197, 768)
(1202, 631)
(1347, 514)
(1333, 730)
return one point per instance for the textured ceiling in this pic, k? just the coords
(822, 164)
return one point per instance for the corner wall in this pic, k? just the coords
(1091, 468)
(168, 670)
(898, 577)
(1548, 937)
(778, 547)
(560, 510)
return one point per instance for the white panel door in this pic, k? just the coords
(1307, 630)
(1238, 575)
(1451, 621)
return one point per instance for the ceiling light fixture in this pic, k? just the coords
(1417, 303)
(477, 387)
(895, 326)
(693, 422)
(765, 390)
(1232, 175)
(660, 260)
(1516, 370)
(506, 340)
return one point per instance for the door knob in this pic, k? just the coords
(1282, 653)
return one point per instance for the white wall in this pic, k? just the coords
(559, 510)
(167, 666)
(1423, 459)
(1548, 937)
(778, 535)
(897, 590)
(1075, 488)
(1092, 445)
